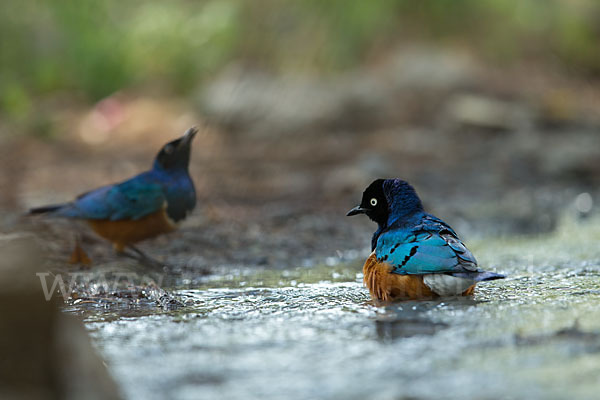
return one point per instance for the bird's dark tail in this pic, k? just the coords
(45, 209)
(479, 276)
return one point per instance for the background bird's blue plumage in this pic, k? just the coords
(132, 199)
(180, 195)
(424, 245)
(135, 198)
(167, 186)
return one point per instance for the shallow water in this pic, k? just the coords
(310, 333)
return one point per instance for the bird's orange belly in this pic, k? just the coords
(385, 286)
(126, 232)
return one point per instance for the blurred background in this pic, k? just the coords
(491, 109)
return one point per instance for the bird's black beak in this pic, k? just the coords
(356, 210)
(188, 136)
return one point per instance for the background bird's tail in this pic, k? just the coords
(45, 209)
(479, 276)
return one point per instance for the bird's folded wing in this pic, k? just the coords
(132, 199)
(424, 249)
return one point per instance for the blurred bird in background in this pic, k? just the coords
(415, 254)
(145, 206)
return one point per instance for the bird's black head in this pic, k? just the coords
(374, 203)
(176, 153)
(385, 198)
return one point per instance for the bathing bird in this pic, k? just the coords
(147, 205)
(415, 255)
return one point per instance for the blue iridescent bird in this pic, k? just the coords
(145, 206)
(415, 254)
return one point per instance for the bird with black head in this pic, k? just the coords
(147, 205)
(415, 255)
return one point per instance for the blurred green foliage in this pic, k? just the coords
(90, 48)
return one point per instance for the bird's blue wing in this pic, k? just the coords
(431, 246)
(132, 199)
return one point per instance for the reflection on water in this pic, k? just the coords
(535, 335)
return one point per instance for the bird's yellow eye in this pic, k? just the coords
(373, 201)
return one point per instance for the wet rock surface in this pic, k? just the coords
(45, 353)
(315, 334)
(311, 331)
